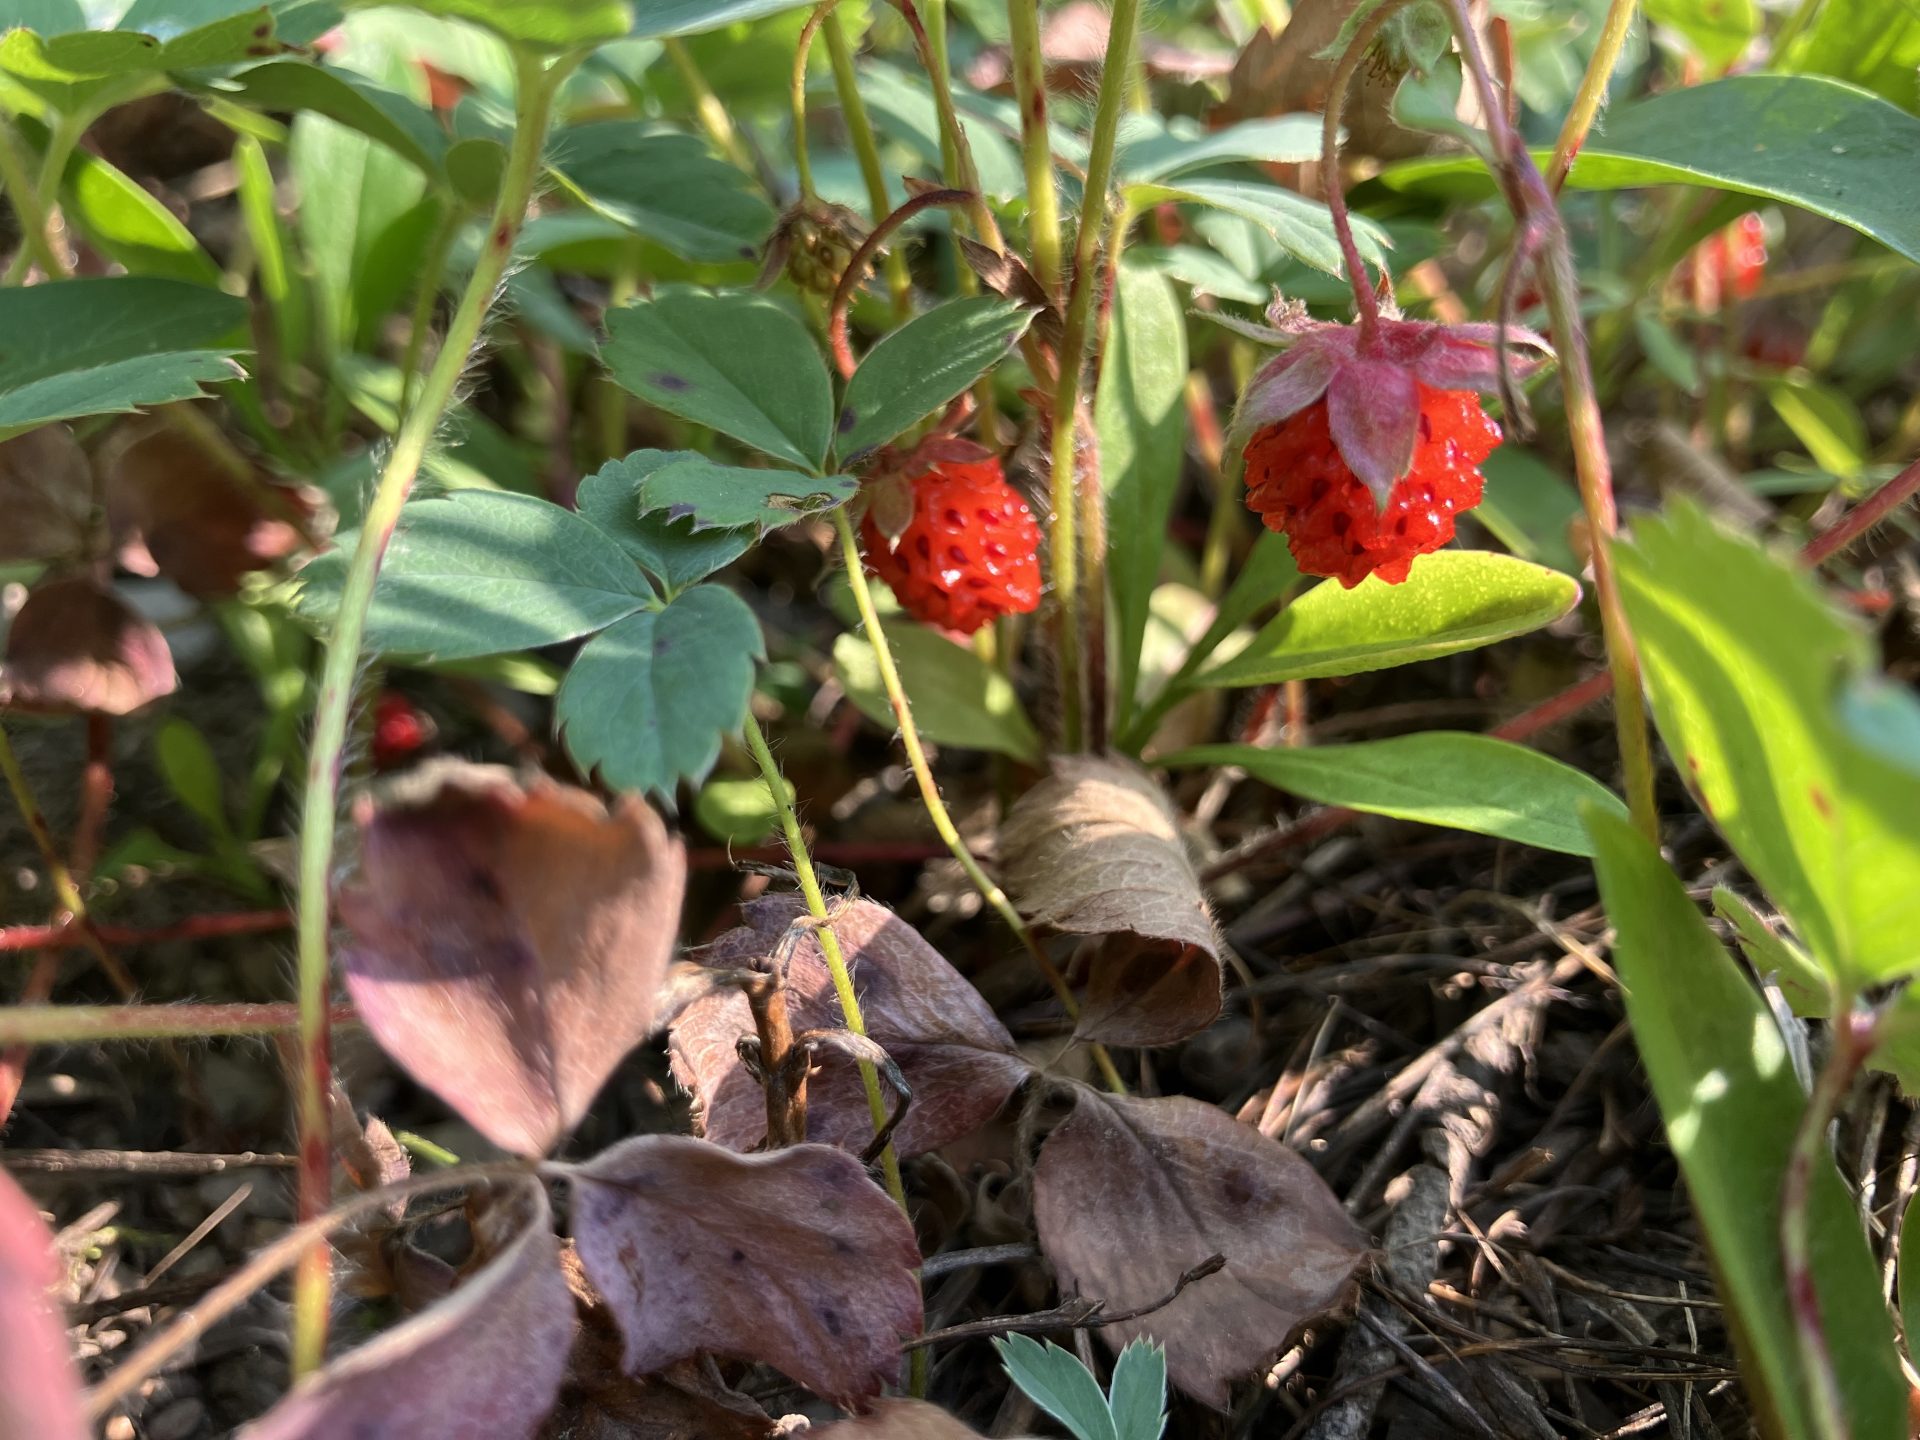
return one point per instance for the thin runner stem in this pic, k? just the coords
(1036, 148)
(867, 149)
(538, 85)
(1592, 93)
(995, 897)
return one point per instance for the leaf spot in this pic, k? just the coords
(666, 380)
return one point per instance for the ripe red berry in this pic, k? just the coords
(1298, 483)
(399, 730)
(969, 553)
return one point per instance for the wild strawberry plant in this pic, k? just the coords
(530, 345)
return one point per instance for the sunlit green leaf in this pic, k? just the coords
(958, 699)
(918, 368)
(547, 25)
(665, 187)
(1440, 777)
(670, 550)
(1731, 1102)
(712, 496)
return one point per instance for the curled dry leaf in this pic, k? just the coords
(78, 648)
(46, 495)
(795, 1259)
(487, 1360)
(202, 517)
(507, 938)
(1094, 850)
(1129, 1194)
(958, 1059)
(39, 1387)
(901, 1420)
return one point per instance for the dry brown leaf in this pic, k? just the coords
(1095, 850)
(203, 520)
(901, 1420)
(77, 648)
(794, 1259)
(46, 495)
(957, 1057)
(487, 1360)
(507, 940)
(1130, 1194)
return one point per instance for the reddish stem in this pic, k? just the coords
(1366, 303)
(96, 795)
(1864, 516)
(863, 257)
(66, 935)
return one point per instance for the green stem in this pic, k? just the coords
(707, 108)
(1080, 549)
(867, 149)
(829, 944)
(94, 1024)
(66, 133)
(1592, 93)
(425, 297)
(836, 959)
(36, 241)
(536, 90)
(1036, 150)
(949, 833)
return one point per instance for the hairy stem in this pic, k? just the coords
(1036, 149)
(43, 196)
(1853, 1040)
(995, 897)
(867, 149)
(1080, 551)
(1592, 93)
(707, 108)
(857, 267)
(829, 944)
(250, 1278)
(1539, 221)
(536, 90)
(94, 1024)
(1366, 303)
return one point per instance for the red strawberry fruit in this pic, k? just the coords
(1298, 484)
(1363, 442)
(399, 730)
(967, 554)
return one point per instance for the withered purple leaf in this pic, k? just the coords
(1094, 850)
(958, 1059)
(39, 1387)
(46, 495)
(486, 1360)
(794, 1259)
(507, 938)
(1128, 1194)
(78, 648)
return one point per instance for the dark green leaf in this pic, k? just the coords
(1732, 1103)
(958, 698)
(647, 702)
(670, 550)
(1205, 271)
(1884, 718)
(1442, 777)
(1771, 954)
(545, 25)
(667, 188)
(1800, 139)
(382, 115)
(1140, 417)
(475, 167)
(1138, 1395)
(1530, 507)
(90, 347)
(726, 497)
(81, 71)
(1744, 663)
(1873, 43)
(482, 573)
(736, 362)
(918, 368)
(1454, 600)
(903, 109)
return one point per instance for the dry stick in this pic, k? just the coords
(537, 86)
(289, 1249)
(930, 792)
(66, 935)
(1854, 1034)
(1076, 486)
(163, 1164)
